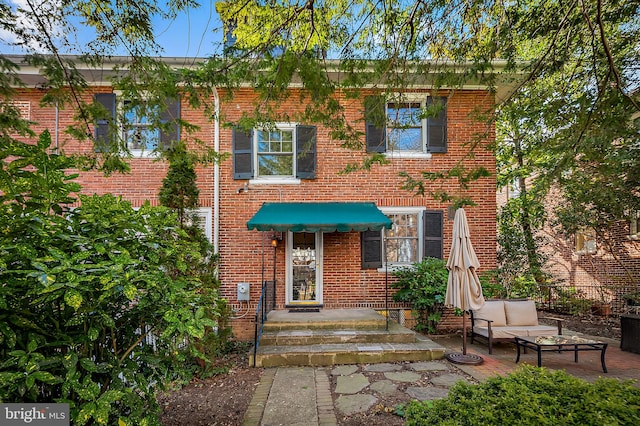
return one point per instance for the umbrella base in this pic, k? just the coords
(468, 359)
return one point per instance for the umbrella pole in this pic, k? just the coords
(464, 358)
(464, 333)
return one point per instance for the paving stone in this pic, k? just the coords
(353, 404)
(429, 366)
(403, 376)
(447, 380)
(427, 393)
(351, 384)
(384, 387)
(381, 368)
(344, 370)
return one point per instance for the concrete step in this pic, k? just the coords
(332, 319)
(423, 349)
(396, 334)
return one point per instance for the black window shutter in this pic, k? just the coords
(432, 224)
(103, 133)
(170, 115)
(375, 119)
(242, 154)
(437, 127)
(371, 243)
(306, 152)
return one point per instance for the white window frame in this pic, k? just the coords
(205, 214)
(419, 213)
(275, 179)
(120, 114)
(319, 237)
(586, 241)
(634, 227)
(400, 98)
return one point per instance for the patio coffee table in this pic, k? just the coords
(573, 344)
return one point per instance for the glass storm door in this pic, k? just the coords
(304, 280)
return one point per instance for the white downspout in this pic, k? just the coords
(216, 171)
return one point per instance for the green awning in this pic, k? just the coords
(314, 217)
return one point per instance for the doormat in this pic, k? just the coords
(304, 310)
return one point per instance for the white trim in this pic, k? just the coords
(319, 240)
(276, 180)
(284, 126)
(205, 213)
(418, 211)
(410, 97)
(135, 153)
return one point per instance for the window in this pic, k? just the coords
(138, 133)
(401, 241)
(286, 152)
(415, 234)
(275, 152)
(413, 125)
(202, 218)
(586, 241)
(634, 228)
(141, 128)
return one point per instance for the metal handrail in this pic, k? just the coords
(262, 310)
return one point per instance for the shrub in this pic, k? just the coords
(100, 305)
(532, 396)
(424, 285)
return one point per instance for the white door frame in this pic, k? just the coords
(289, 271)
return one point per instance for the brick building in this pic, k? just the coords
(255, 205)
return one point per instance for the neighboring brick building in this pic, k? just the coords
(313, 264)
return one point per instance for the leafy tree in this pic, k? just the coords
(179, 190)
(101, 305)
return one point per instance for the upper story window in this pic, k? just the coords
(412, 125)
(285, 153)
(416, 233)
(138, 133)
(275, 152)
(135, 126)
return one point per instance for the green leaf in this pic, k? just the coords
(45, 377)
(73, 298)
(93, 334)
(130, 291)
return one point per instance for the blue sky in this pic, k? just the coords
(194, 33)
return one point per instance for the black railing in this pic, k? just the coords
(266, 304)
(584, 299)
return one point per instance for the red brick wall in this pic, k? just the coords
(345, 283)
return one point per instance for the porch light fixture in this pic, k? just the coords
(275, 240)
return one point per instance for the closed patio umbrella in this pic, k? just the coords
(463, 288)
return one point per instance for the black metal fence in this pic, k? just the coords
(588, 299)
(266, 304)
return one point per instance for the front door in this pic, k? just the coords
(304, 268)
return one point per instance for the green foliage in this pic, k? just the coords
(424, 285)
(179, 190)
(532, 396)
(101, 305)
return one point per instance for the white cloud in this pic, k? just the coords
(48, 12)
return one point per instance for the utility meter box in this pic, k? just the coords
(243, 292)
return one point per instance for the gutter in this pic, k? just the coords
(216, 172)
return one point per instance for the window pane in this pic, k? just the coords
(405, 139)
(401, 241)
(403, 114)
(275, 165)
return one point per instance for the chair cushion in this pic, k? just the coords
(492, 310)
(521, 312)
(511, 332)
